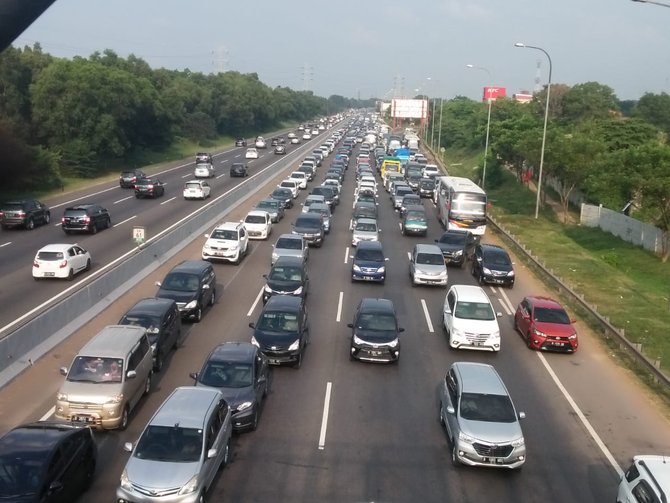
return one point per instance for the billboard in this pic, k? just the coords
(523, 97)
(409, 109)
(493, 93)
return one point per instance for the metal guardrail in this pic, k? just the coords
(610, 330)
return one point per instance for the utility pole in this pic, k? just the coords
(220, 59)
(307, 77)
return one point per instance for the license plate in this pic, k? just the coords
(376, 353)
(83, 419)
(493, 461)
(559, 344)
(274, 361)
(49, 274)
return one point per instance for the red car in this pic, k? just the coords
(545, 325)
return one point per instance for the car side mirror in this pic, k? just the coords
(350, 325)
(252, 324)
(63, 371)
(205, 287)
(193, 375)
(131, 374)
(265, 276)
(400, 330)
(157, 283)
(211, 453)
(386, 259)
(499, 314)
(450, 409)
(447, 311)
(128, 446)
(207, 236)
(522, 415)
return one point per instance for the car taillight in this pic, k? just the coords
(36, 263)
(62, 220)
(150, 187)
(21, 214)
(87, 220)
(63, 264)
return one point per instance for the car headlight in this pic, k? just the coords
(456, 332)
(573, 336)
(519, 442)
(394, 343)
(267, 289)
(244, 406)
(207, 247)
(62, 397)
(295, 345)
(298, 291)
(356, 268)
(191, 305)
(486, 270)
(275, 256)
(125, 482)
(115, 399)
(235, 247)
(538, 333)
(381, 269)
(458, 253)
(190, 486)
(511, 273)
(358, 340)
(255, 342)
(466, 438)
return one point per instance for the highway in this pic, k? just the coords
(342, 431)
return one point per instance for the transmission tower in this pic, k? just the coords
(220, 59)
(307, 77)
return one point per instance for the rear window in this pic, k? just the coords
(75, 213)
(289, 244)
(255, 219)
(50, 256)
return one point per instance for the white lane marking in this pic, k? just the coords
(124, 221)
(427, 315)
(5, 244)
(258, 299)
(48, 414)
(225, 160)
(168, 200)
(238, 155)
(346, 255)
(187, 175)
(339, 308)
(581, 415)
(221, 176)
(324, 417)
(124, 199)
(507, 304)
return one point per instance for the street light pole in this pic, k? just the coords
(439, 134)
(544, 131)
(488, 119)
(652, 2)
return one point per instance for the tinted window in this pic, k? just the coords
(549, 315)
(288, 273)
(181, 282)
(255, 219)
(226, 375)
(429, 258)
(170, 443)
(372, 255)
(278, 321)
(497, 257)
(21, 474)
(226, 234)
(313, 223)
(452, 239)
(96, 370)
(490, 408)
(474, 311)
(50, 256)
(376, 321)
(290, 244)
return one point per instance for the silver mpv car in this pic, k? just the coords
(180, 450)
(481, 421)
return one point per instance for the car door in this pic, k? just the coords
(209, 279)
(412, 263)
(78, 258)
(523, 316)
(477, 262)
(218, 433)
(449, 305)
(453, 397)
(171, 328)
(64, 473)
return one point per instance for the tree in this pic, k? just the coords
(655, 109)
(590, 100)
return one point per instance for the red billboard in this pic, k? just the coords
(491, 93)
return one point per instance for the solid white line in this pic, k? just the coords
(48, 414)
(427, 315)
(339, 308)
(121, 200)
(5, 244)
(168, 200)
(124, 221)
(324, 417)
(581, 416)
(258, 298)
(346, 255)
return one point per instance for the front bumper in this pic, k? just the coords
(420, 279)
(497, 456)
(221, 254)
(371, 354)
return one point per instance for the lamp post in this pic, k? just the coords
(488, 119)
(439, 133)
(652, 2)
(544, 131)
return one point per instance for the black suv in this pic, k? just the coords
(85, 218)
(26, 213)
(374, 332)
(240, 142)
(288, 276)
(149, 187)
(310, 227)
(129, 177)
(162, 320)
(492, 264)
(458, 246)
(192, 284)
(243, 375)
(238, 169)
(282, 332)
(203, 157)
(47, 461)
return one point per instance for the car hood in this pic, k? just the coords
(288, 252)
(476, 326)
(298, 229)
(369, 263)
(376, 336)
(556, 329)
(430, 269)
(256, 227)
(234, 396)
(177, 296)
(450, 248)
(495, 433)
(366, 234)
(267, 338)
(498, 267)
(283, 285)
(221, 243)
(159, 475)
(90, 392)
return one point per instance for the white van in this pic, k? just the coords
(647, 479)
(470, 320)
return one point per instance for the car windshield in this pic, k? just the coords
(427, 184)
(50, 256)
(376, 321)
(277, 321)
(282, 193)
(289, 244)
(366, 226)
(286, 273)
(474, 311)
(498, 258)
(372, 255)
(267, 204)
(402, 192)
(21, 474)
(226, 374)
(171, 444)
(551, 315)
(181, 282)
(255, 219)
(227, 234)
(429, 259)
(416, 216)
(96, 369)
(490, 408)
(310, 223)
(453, 239)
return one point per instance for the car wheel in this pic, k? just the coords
(454, 455)
(198, 314)
(108, 223)
(212, 299)
(88, 265)
(529, 341)
(124, 419)
(94, 228)
(298, 362)
(70, 275)
(441, 418)
(480, 278)
(226, 456)
(137, 196)
(147, 384)
(47, 218)
(158, 365)
(254, 419)
(67, 232)
(30, 224)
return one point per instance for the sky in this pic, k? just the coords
(374, 48)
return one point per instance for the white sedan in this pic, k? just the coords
(62, 260)
(197, 189)
(258, 224)
(251, 153)
(300, 177)
(307, 136)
